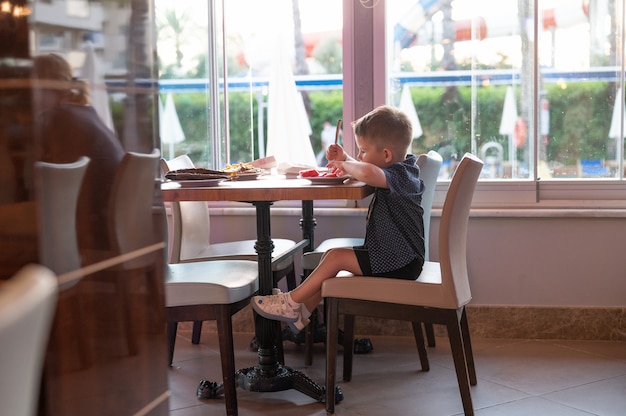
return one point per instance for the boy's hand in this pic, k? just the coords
(337, 167)
(335, 152)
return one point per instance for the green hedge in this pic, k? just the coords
(580, 116)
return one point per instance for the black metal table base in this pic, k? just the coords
(269, 375)
(281, 378)
(286, 379)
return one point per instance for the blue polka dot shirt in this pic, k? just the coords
(394, 233)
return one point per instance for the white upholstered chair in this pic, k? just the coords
(430, 164)
(438, 296)
(27, 304)
(131, 227)
(194, 291)
(191, 239)
(57, 186)
(211, 290)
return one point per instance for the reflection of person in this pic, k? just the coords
(327, 137)
(68, 128)
(394, 234)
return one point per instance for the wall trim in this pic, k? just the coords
(511, 322)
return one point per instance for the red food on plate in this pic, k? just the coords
(311, 173)
(329, 175)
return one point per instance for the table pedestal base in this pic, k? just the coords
(285, 378)
(282, 378)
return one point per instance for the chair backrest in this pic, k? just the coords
(453, 229)
(130, 208)
(57, 187)
(191, 224)
(27, 304)
(429, 164)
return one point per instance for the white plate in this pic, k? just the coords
(197, 183)
(324, 180)
(245, 176)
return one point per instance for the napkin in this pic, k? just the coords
(268, 163)
(291, 170)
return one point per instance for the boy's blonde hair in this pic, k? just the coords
(385, 126)
(54, 73)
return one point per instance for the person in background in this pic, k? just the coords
(68, 127)
(394, 234)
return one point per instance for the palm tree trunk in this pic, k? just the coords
(141, 88)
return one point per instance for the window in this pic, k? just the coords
(258, 105)
(498, 80)
(531, 87)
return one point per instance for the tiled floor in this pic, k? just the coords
(515, 377)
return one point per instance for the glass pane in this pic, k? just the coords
(185, 108)
(457, 60)
(468, 69)
(76, 83)
(579, 89)
(306, 34)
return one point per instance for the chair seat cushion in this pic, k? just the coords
(311, 259)
(244, 250)
(427, 290)
(210, 282)
(339, 242)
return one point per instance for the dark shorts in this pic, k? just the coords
(409, 272)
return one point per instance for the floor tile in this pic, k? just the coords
(515, 377)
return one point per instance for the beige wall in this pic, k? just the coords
(522, 261)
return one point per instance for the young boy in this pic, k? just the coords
(394, 236)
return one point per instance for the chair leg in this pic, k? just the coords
(122, 282)
(467, 344)
(195, 333)
(171, 340)
(460, 363)
(291, 279)
(227, 356)
(421, 349)
(309, 339)
(430, 334)
(348, 342)
(331, 352)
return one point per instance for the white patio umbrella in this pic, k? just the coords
(92, 73)
(407, 107)
(169, 124)
(614, 130)
(509, 113)
(507, 123)
(616, 121)
(288, 127)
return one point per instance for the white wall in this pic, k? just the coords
(549, 259)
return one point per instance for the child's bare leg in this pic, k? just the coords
(334, 261)
(314, 301)
(288, 307)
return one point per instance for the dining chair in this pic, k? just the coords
(438, 295)
(430, 164)
(131, 227)
(57, 186)
(211, 290)
(194, 290)
(191, 240)
(27, 303)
